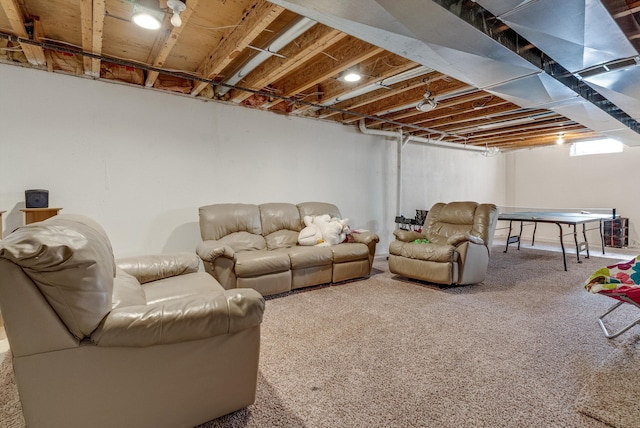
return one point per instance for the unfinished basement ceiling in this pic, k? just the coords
(491, 74)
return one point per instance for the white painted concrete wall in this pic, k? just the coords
(141, 162)
(433, 174)
(550, 178)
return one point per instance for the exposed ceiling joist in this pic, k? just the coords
(14, 14)
(288, 55)
(256, 19)
(167, 40)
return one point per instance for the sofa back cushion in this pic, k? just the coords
(70, 259)
(281, 225)
(450, 219)
(461, 218)
(237, 225)
(318, 208)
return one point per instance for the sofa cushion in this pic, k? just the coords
(244, 241)
(281, 224)
(69, 258)
(349, 251)
(445, 220)
(282, 239)
(127, 291)
(220, 220)
(279, 216)
(427, 252)
(318, 208)
(253, 263)
(306, 257)
(177, 287)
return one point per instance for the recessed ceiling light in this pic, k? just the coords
(147, 18)
(351, 76)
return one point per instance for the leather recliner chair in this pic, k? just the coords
(141, 342)
(459, 234)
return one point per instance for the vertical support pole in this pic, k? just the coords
(399, 175)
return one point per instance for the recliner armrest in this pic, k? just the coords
(154, 267)
(460, 238)
(210, 250)
(365, 237)
(180, 320)
(407, 235)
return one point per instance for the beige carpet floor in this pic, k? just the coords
(522, 349)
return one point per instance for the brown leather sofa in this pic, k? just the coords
(256, 246)
(138, 342)
(460, 236)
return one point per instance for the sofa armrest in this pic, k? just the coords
(210, 250)
(458, 239)
(407, 235)
(180, 320)
(155, 267)
(365, 237)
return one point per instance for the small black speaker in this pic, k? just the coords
(36, 198)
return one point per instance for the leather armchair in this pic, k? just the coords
(460, 236)
(137, 342)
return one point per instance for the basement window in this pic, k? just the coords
(595, 147)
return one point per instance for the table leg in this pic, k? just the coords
(586, 243)
(506, 248)
(515, 238)
(564, 254)
(533, 239)
(575, 238)
(520, 235)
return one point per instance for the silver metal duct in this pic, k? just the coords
(290, 34)
(439, 35)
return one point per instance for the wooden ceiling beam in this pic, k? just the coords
(459, 118)
(347, 53)
(92, 13)
(167, 40)
(632, 9)
(301, 50)
(556, 122)
(477, 96)
(35, 54)
(380, 94)
(539, 141)
(499, 111)
(375, 69)
(440, 86)
(540, 130)
(409, 115)
(258, 16)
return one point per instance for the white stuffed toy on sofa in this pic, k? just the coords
(311, 234)
(323, 230)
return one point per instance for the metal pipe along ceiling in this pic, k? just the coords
(289, 35)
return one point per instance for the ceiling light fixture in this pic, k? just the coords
(560, 139)
(147, 18)
(351, 75)
(428, 103)
(177, 6)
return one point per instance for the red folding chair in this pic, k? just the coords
(621, 282)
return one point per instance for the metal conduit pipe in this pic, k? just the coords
(426, 141)
(289, 35)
